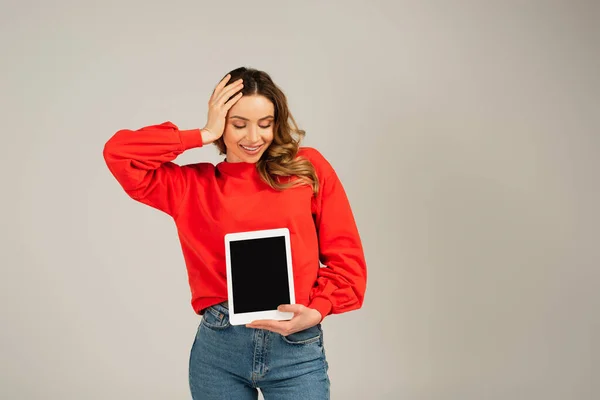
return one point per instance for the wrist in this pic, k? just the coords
(317, 314)
(322, 305)
(207, 136)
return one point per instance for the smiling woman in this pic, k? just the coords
(261, 121)
(266, 181)
(247, 134)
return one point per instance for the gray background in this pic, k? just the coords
(466, 135)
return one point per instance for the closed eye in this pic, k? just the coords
(242, 127)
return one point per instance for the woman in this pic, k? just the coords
(266, 181)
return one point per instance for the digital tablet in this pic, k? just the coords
(259, 275)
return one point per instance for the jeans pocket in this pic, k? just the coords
(215, 317)
(306, 336)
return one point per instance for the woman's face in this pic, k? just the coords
(249, 129)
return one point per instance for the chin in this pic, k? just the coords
(251, 156)
(251, 159)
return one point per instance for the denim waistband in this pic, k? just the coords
(224, 305)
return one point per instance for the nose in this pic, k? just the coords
(253, 135)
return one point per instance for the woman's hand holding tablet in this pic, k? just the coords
(304, 318)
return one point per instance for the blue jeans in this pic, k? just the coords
(231, 362)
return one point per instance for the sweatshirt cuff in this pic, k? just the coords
(190, 138)
(322, 305)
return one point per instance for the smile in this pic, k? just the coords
(251, 149)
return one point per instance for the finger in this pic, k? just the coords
(228, 91)
(261, 321)
(274, 325)
(295, 308)
(285, 323)
(224, 81)
(232, 101)
(220, 90)
(220, 85)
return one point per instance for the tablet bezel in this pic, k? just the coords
(245, 318)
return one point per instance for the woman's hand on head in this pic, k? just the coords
(304, 318)
(219, 104)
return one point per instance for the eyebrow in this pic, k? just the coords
(246, 119)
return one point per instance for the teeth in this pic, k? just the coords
(250, 148)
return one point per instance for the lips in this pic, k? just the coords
(251, 150)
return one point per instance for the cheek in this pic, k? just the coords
(268, 136)
(231, 137)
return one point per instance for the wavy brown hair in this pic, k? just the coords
(279, 160)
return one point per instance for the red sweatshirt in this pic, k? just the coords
(208, 201)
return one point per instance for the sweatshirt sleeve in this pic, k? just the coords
(341, 283)
(141, 161)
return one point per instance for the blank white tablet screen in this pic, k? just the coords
(259, 274)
